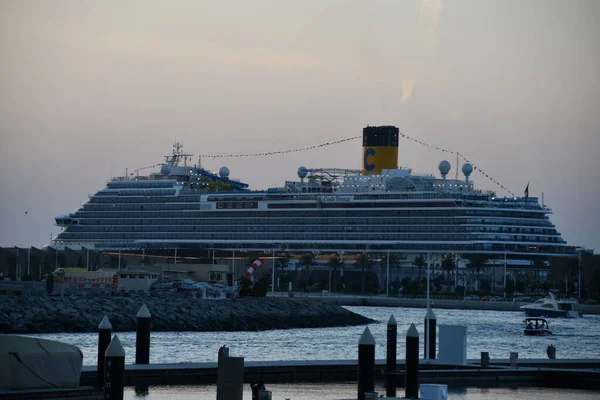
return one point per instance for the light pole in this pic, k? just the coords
(505, 275)
(387, 286)
(273, 276)
(455, 270)
(427, 332)
(579, 275)
(233, 267)
(29, 261)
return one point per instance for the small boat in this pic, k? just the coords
(536, 327)
(549, 306)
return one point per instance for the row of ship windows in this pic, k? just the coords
(362, 205)
(303, 236)
(142, 199)
(185, 203)
(161, 196)
(125, 192)
(245, 205)
(339, 246)
(307, 228)
(323, 221)
(534, 207)
(303, 214)
(138, 185)
(371, 196)
(188, 196)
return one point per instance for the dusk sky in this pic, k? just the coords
(89, 89)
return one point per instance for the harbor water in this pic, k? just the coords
(496, 332)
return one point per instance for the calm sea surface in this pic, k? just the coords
(497, 332)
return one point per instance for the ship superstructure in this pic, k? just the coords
(379, 208)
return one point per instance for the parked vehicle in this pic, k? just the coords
(522, 299)
(472, 297)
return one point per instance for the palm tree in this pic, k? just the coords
(572, 273)
(36, 267)
(419, 262)
(113, 261)
(283, 261)
(397, 258)
(448, 265)
(12, 261)
(146, 261)
(333, 264)
(308, 260)
(538, 264)
(364, 262)
(394, 262)
(476, 263)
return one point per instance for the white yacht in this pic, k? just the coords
(549, 306)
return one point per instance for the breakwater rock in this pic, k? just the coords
(55, 314)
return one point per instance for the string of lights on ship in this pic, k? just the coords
(325, 144)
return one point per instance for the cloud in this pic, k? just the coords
(407, 89)
(429, 15)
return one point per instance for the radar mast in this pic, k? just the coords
(177, 156)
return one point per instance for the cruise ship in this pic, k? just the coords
(380, 208)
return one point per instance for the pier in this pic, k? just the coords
(544, 372)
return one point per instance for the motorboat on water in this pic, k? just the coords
(549, 306)
(536, 327)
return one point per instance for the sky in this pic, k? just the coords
(90, 89)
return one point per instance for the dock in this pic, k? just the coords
(543, 372)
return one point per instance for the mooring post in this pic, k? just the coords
(485, 359)
(114, 370)
(551, 352)
(430, 334)
(411, 384)
(142, 336)
(104, 333)
(366, 364)
(391, 366)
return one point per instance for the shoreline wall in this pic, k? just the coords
(56, 314)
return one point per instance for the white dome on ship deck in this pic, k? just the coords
(467, 168)
(165, 169)
(224, 172)
(444, 168)
(302, 172)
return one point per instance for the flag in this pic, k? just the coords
(527, 190)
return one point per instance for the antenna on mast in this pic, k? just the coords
(456, 175)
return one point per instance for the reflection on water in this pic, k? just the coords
(497, 332)
(347, 390)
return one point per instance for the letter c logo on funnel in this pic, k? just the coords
(369, 152)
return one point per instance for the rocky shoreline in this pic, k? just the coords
(56, 314)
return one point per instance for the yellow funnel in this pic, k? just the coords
(380, 149)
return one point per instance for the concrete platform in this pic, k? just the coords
(548, 373)
(84, 392)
